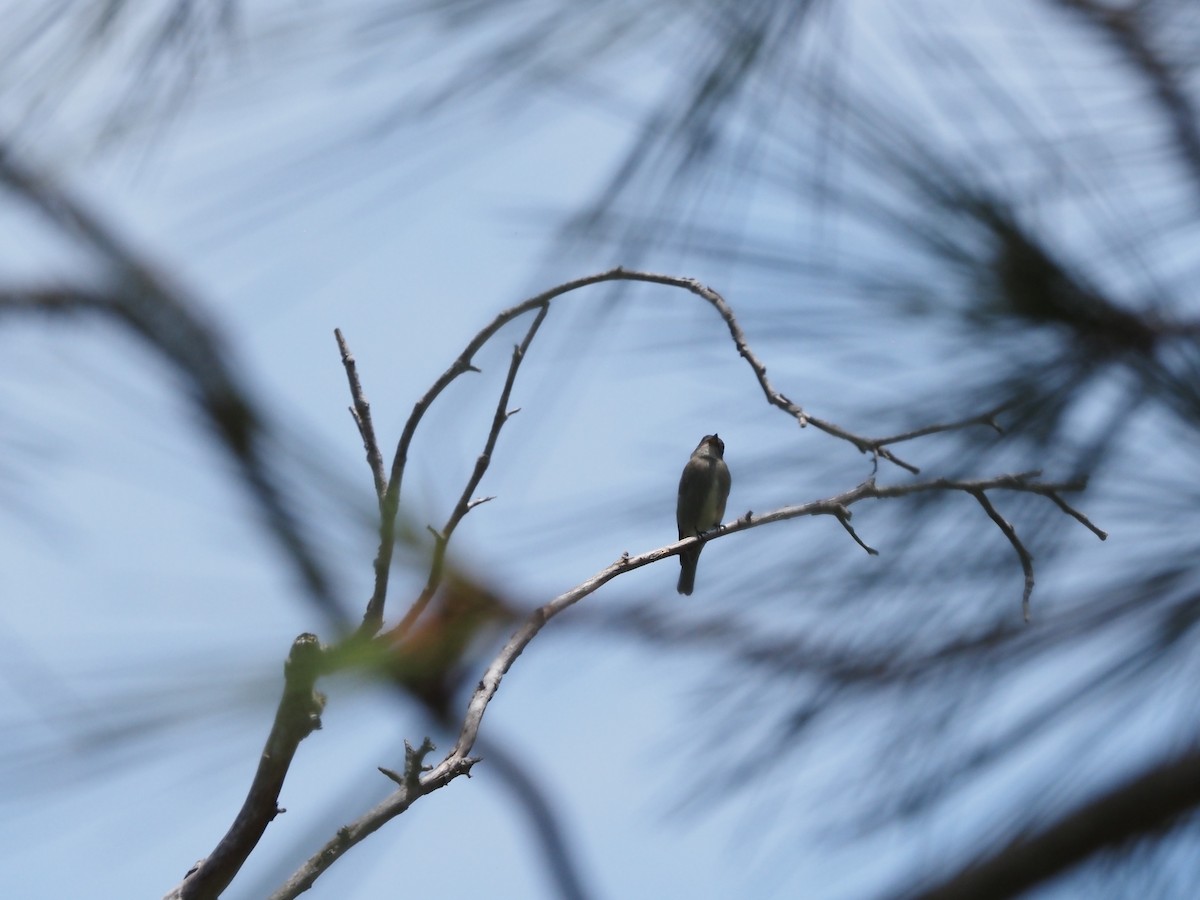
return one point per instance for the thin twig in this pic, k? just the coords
(1077, 516)
(1022, 552)
(987, 418)
(414, 765)
(843, 516)
(465, 502)
(361, 411)
(352, 834)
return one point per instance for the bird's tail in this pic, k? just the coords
(687, 572)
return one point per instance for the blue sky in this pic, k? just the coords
(147, 617)
(173, 599)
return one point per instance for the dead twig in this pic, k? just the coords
(361, 412)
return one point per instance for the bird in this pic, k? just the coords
(703, 491)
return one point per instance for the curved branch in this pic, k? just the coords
(458, 761)
(834, 506)
(467, 501)
(390, 502)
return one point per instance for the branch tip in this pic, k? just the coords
(1009, 532)
(843, 516)
(393, 775)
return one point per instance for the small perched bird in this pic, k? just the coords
(703, 490)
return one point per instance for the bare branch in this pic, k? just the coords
(414, 765)
(458, 761)
(465, 503)
(373, 618)
(834, 506)
(1022, 553)
(1078, 516)
(390, 505)
(987, 418)
(843, 516)
(361, 411)
(298, 716)
(351, 834)
(774, 397)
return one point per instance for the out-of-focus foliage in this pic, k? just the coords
(979, 206)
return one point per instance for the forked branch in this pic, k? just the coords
(459, 760)
(878, 448)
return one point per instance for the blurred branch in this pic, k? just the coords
(171, 322)
(298, 716)
(1140, 807)
(533, 800)
(1126, 29)
(136, 62)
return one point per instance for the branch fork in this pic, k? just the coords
(418, 779)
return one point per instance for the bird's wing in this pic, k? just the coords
(723, 483)
(691, 497)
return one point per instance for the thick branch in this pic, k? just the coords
(298, 715)
(1138, 808)
(1125, 28)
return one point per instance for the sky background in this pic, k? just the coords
(174, 602)
(296, 187)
